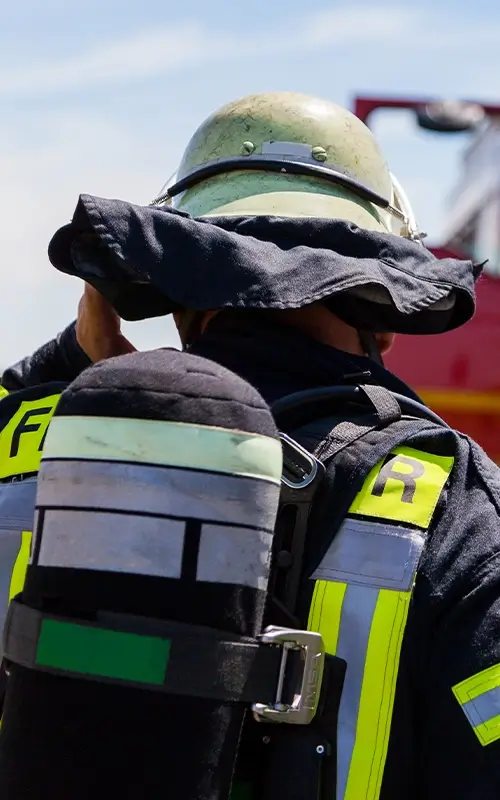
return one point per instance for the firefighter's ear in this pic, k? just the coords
(385, 341)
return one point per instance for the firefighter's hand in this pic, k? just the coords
(98, 327)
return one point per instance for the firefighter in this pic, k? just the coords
(302, 259)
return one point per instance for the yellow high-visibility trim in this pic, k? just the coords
(19, 570)
(3, 392)
(20, 565)
(366, 717)
(326, 611)
(474, 687)
(489, 731)
(22, 437)
(377, 695)
(427, 488)
(478, 684)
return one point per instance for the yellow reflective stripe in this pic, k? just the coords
(478, 684)
(22, 438)
(3, 392)
(326, 611)
(479, 698)
(20, 565)
(373, 726)
(488, 732)
(405, 489)
(362, 619)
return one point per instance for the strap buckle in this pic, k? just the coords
(305, 703)
(299, 463)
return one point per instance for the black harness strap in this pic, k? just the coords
(200, 662)
(299, 763)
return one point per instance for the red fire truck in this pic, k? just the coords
(458, 373)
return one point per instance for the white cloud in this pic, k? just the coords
(136, 56)
(358, 23)
(169, 48)
(161, 51)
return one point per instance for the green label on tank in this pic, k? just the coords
(97, 651)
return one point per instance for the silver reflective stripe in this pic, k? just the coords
(169, 491)
(372, 554)
(357, 614)
(483, 707)
(372, 560)
(234, 555)
(141, 545)
(112, 542)
(10, 542)
(17, 505)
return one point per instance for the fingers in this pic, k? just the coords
(98, 327)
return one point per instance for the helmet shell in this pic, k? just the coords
(286, 126)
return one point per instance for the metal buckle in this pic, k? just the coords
(305, 702)
(311, 463)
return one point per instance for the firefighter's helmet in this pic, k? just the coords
(290, 155)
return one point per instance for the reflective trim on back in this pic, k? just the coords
(21, 440)
(479, 698)
(361, 601)
(405, 487)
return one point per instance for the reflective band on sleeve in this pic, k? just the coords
(173, 444)
(361, 601)
(3, 392)
(14, 552)
(17, 504)
(405, 487)
(22, 439)
(479, 698)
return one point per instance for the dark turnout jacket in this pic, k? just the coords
(445, 734)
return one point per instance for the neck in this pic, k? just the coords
(319, 323)
(278, 359)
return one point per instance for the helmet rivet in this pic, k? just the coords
(319, 153)
(247, 148)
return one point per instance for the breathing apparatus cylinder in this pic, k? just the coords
(157, 497)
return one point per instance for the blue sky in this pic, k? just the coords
(101, 97)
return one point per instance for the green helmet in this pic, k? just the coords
(290, 155)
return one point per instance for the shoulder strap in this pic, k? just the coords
(304, 471)
(342, 458)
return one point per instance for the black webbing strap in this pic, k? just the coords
(302, 474)
(387, 410)
(197, 662)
